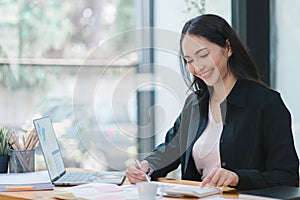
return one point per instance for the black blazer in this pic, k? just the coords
(256, 141)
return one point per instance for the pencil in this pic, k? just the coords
(17, 188)
(33, 142)
(29, 138)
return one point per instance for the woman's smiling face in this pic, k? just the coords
(204, 59)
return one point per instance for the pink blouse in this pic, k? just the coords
(206, 150)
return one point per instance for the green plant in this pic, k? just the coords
(197, 5)
(4, 145)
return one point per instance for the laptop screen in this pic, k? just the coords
(50, 148)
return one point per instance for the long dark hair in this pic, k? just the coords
(215, 29)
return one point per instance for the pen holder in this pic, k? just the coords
(21, 161)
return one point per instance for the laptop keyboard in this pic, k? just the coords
(77, 177)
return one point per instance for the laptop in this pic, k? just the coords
(55, 165)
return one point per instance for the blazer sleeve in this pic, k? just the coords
(166, 156)
(281, 163)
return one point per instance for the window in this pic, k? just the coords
(44, 45)
(285, 57)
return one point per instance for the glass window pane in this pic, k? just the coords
(44, 44)
(286, 54)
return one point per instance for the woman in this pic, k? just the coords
(233, 130)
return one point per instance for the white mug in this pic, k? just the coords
(147, 190)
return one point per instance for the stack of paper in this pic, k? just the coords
(25, 181)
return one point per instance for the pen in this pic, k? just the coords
(140, 168)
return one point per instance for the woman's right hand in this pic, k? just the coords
(136, 174)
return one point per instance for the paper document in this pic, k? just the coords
(98, 191)
(103, 191)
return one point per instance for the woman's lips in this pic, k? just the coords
(207, 74)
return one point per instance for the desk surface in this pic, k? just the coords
(47, 195)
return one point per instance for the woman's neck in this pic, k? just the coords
(222, 88)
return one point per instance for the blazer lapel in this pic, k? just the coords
(198, 122)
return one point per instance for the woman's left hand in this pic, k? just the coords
(220, 177)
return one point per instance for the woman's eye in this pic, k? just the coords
(189, 61)
(203, 55)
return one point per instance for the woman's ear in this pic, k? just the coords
(228, 48)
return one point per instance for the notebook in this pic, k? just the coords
(55, 165)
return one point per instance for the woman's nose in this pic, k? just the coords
(198, 68)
